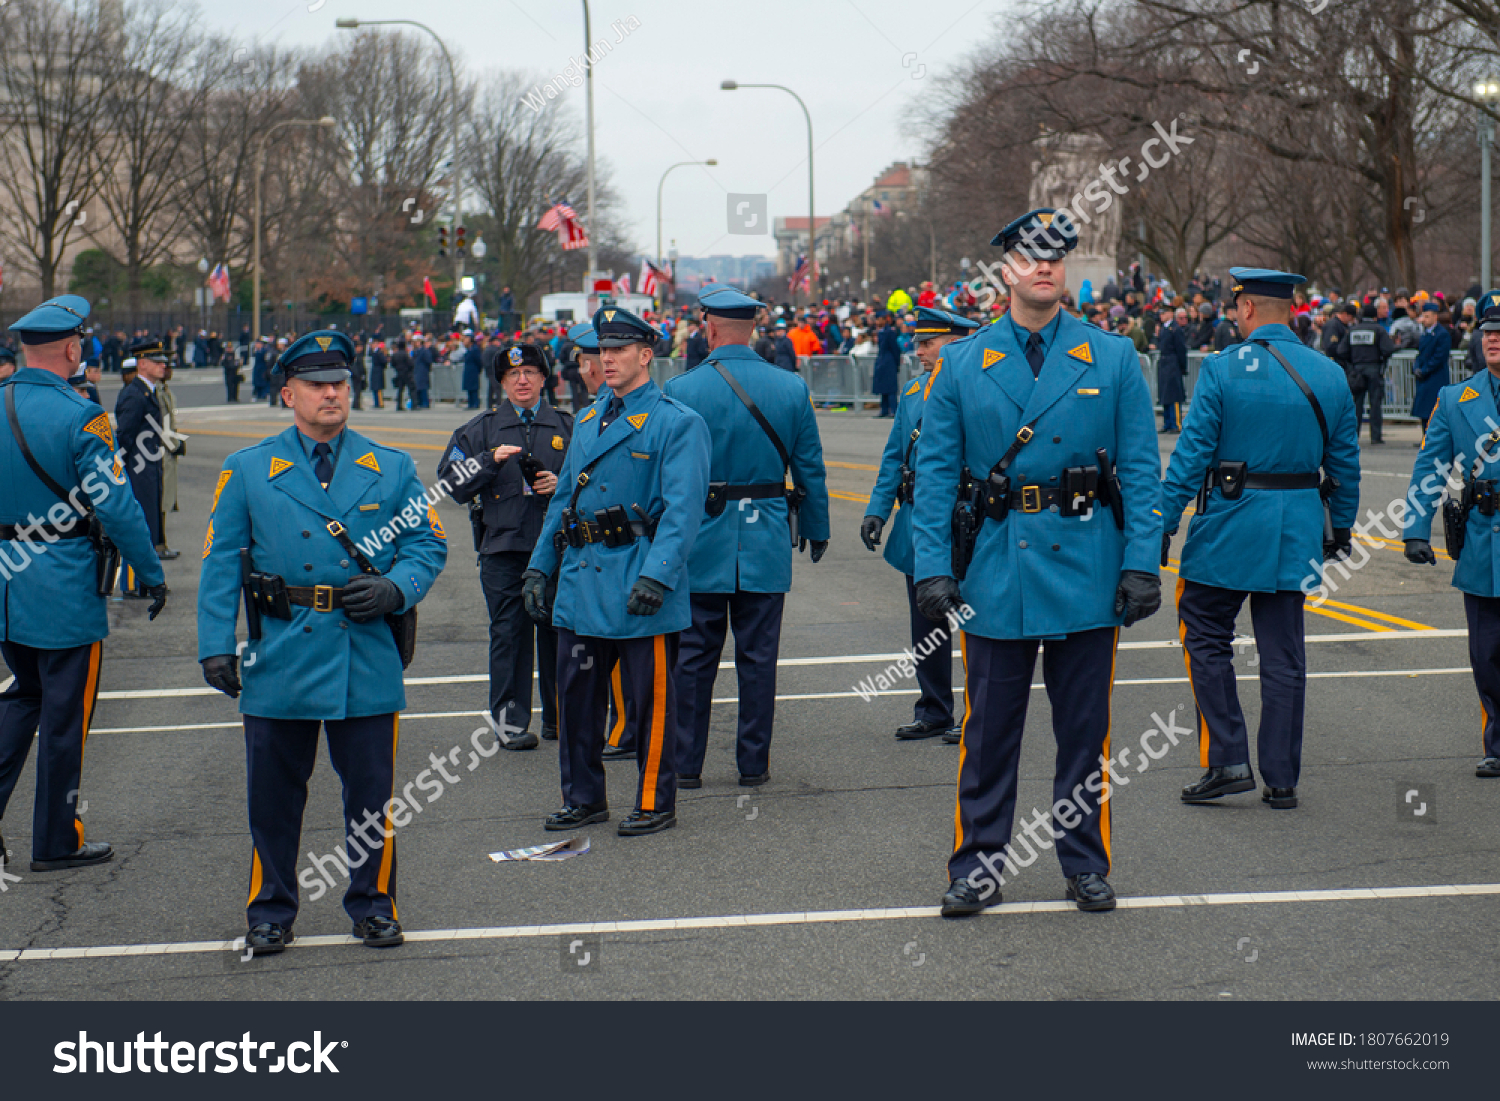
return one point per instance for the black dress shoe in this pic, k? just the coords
(379, 931)
(619, 752)
(524, 740)
(1280, 798)
(916, 731)
(1490, 766)
(1227, 780)
(572, 817)
(954, 736)
(640, 822)
(91, 852)
(754, 781)
(268, 938)
(549, 733)
(167, 554)
(1092, 892)
(690, 783)
(962, 899)
(4, 854)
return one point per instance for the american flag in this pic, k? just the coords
(218, 283)
(801, 275)
(652, 278)
(622, 285)
(564, 220)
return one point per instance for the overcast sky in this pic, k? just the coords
(856, 63)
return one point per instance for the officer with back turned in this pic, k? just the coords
(1040, 484)
(292, 527)
(1366, 348)
(617, 538)
(895, 487)
(59, 479)
(1266, 416)
(1465, 428)
(507, 461)
(741, 566)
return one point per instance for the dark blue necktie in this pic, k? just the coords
(1034, 354)
(323, 463)
(616, 407)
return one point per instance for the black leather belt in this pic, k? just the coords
(1038, 498)
(1255, 480)
(760, 491)
(46, 532)
(320, 598)
(594, 533)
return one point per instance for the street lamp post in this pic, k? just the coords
(326, 122)
(812, 222)
(588, 76)
(680, 164)
(355, 24)
(1485, 92)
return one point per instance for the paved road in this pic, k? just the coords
(824, 883)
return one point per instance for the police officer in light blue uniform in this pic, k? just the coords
(1251, 448)
(326, 656)
(741, 566)
(896, 485)
(1465, 428)
(1051, 418)
(586, 349)
(53, 619)
(617, 537)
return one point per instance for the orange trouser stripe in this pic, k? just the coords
(1187, 660)
(963, 747)
(658, 721)
(90, 698)
(383, 882)
(617, 689)
(1105, 820)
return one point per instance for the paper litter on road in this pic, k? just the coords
(557, 850)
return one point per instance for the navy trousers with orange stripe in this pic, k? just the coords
(584, 667)
(1207, 616)
(1483, 613)
(280, 754)
(620, 735)
(1079, 673)
(756, 619)
(51, 702)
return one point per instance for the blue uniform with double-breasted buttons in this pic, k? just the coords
(1266, 545)
(319, 667)
(741, 565)
(1038, 575)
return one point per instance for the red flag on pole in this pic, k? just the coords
(428, 291)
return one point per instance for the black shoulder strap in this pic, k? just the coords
(36, 467)
(1303, 386)
(1023, 437)
(760, 418)
(916, 434)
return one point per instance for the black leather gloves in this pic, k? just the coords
(534, 595)
(220, 673)
(158, 594)
(819, 548)
(1420, 552)
(1138, 596)
(1166, 545)
(937, 596)
(1341, 546)
(646, 597)
(869, 531)
(367, 598)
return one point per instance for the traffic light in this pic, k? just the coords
(459, 240)
(442, 240)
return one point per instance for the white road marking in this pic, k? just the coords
(745, 921)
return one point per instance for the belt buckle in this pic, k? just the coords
(1031, 498)
(322, 598)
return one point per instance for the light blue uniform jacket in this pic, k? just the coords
(655, 455)
(1040, 575)
(49, 591)
(748, 543)
(316, 665)
(899, 551)
(1246, 408)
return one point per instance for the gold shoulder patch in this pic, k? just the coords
(559, 444)
(1082, 353)
(208, 540)
(437, 525)
(588, 416)
(932, 378)
(638, 420)
(224, 476)
(367, 461)
(99, 426)
(278, 464)
(1468, 394)
(991, 357)
(916, 384)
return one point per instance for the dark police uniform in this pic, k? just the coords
(1463, 429)
(741, 565)
(334, 662)
(512, 515)
(1259, 534)
(1365, 349)
(1057, 567)
(138, 416)
(633, 486)
(53, 619)
(895, 488)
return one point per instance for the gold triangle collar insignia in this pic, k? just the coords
(914, 387)
(991, 357)
(638, 420)
(1469, 392)
(99, 426)
(588, 416)
(367, 460)
(1083, 353)
(278, 464)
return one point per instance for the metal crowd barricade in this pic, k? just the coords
(443, 383)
